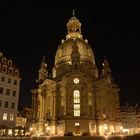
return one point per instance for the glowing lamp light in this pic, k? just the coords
(10, 132)
(105, 127)
(121, 127)
(48, 128)
(77, 124)
(31, 129)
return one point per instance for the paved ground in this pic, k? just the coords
(74, 138)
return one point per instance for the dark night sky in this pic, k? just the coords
(31, 29)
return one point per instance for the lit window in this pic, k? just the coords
(62, 99)
(76, 112)
(89, 99)
(11, 117)
(76, 106)
(77, 124)
(76, 101)
(76, 92)
(4, 116)
(76, 96)
(10, 132)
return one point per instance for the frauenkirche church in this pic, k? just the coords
(76, 98)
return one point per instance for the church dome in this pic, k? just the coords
(74, 36)
(64, 51)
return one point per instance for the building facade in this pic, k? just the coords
(27, 113)
(130, 118)
(9, 93)
(77, 98)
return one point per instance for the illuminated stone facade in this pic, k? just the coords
(76, 98)
(9, 93)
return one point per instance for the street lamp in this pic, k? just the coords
(48, 128)
(121, 129)
(105, 128)
(31, 130)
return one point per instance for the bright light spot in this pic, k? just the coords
(121, 127)
(10, 132)
(77, 124)
(106, 137)
(48, 128)
(105, 127)
(31, 129)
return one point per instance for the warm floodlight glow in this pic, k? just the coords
(48, 128)
(77, 124)
(105, 127)
(121, 127)
(10, 132)
(31, 129)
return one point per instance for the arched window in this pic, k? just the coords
(76, 101)
(10, 62)
(4, 60)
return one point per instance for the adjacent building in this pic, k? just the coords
(130, 118)
(77, 98)
(23, 121)
(9, 94)
(27, 113)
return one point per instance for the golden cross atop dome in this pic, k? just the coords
(73, 12)
(74, 27)
(43, 58)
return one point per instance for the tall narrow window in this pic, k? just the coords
(7, 91)
(62, 103)
(6, 104)
(4, 69)
(10, 71)
(13, 105)
(15, 82)
(76, 101)
(14, 93)
(62, 99)
(1, 90)
(89, 99)
(0, 103)
(2, 78)
(11, 117)
(9, 80)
